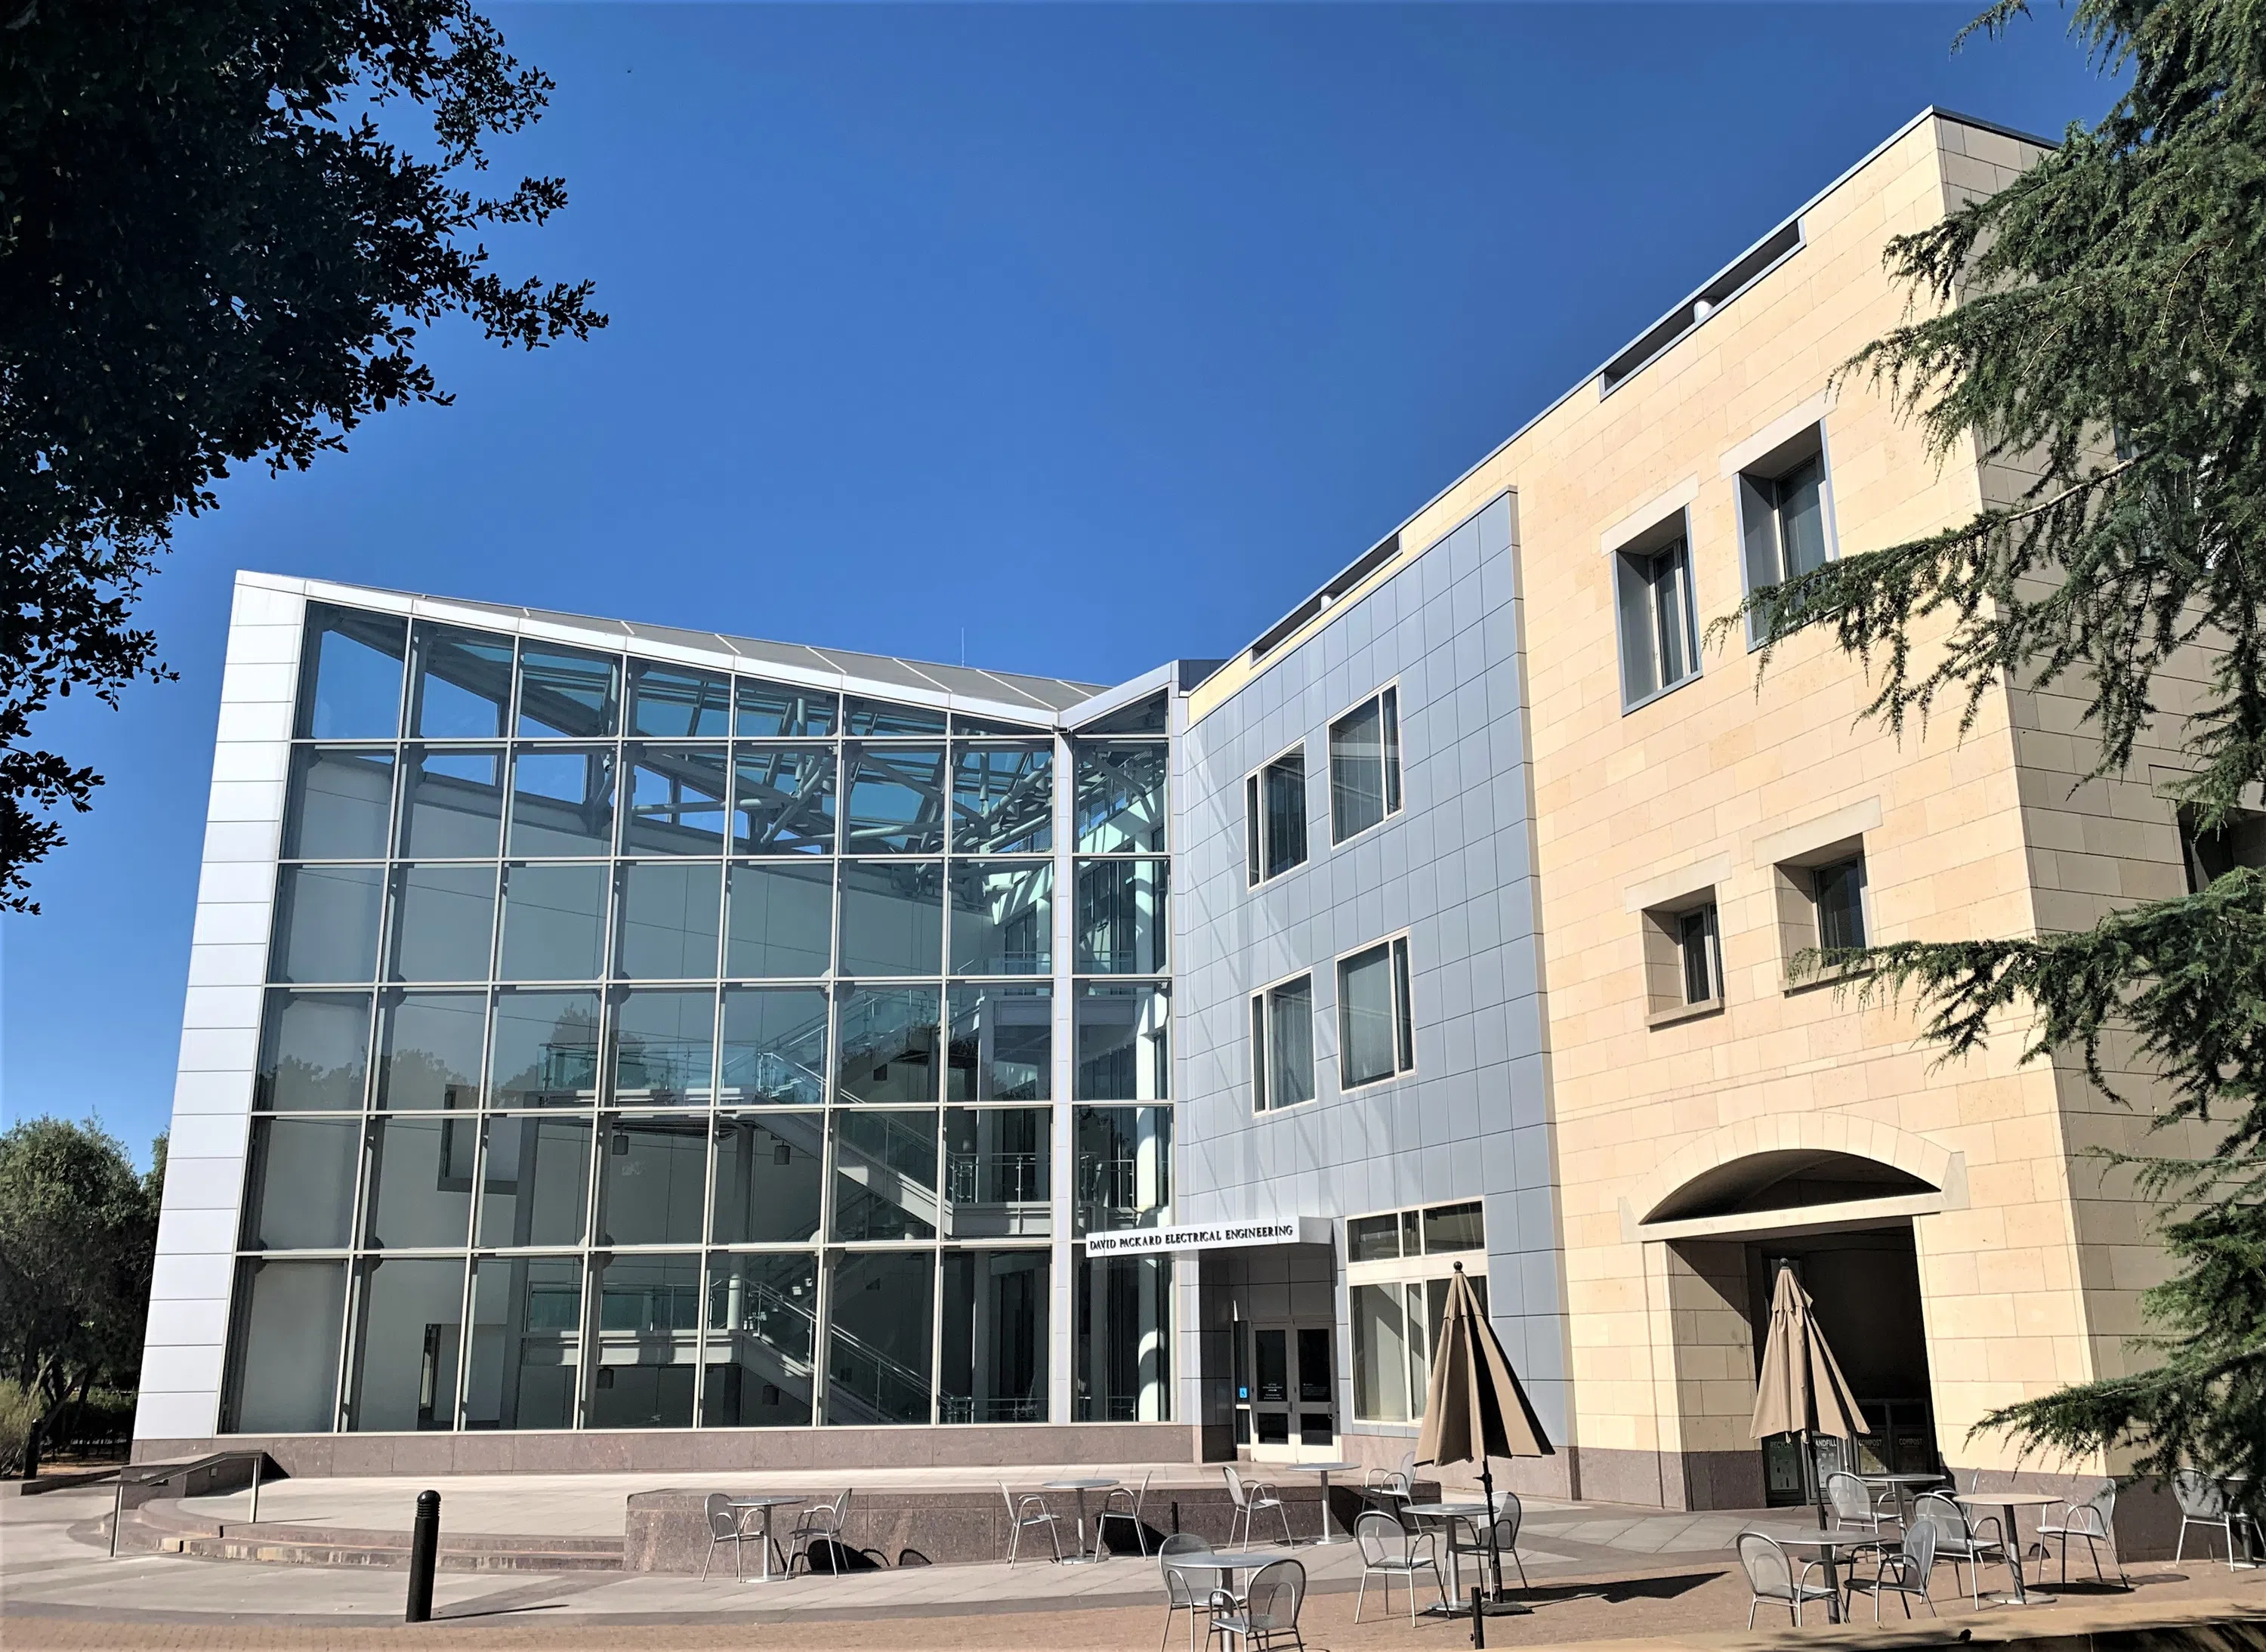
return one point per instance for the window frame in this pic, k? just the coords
(1399, 973)
(1393, 761)
(1800, 929)
(1256, 836)
(1764, 472)
(1262, 1027)
(1630, 562)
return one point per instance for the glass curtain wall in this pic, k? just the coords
(649, 1047)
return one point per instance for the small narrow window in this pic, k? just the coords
(1375, 1040)
(1838, 892)
(1696, 951)
(1785, 510)
(1365, 766)
(1660, 642)
(1406, 1027)
(1275, 817)
(1683, 960)
(2209, 856)
(1283, 1045)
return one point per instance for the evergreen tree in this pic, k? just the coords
(2100, 324)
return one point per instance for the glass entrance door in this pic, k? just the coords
(1293, 1391)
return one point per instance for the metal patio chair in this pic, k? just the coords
(1398, 1483)
(1960, 1539)
(1390, 1550)
(1250, 1496)
(1023, 1513)
(1182, 1592)
(1510, 1514)
(1772, 1578)
(2203, 1503)
(726, 1524)
(1902, 1572)
(1266, 1616)
(2093, 1520)
(1124, 1502)
(821, 1521)
(1854, 1508)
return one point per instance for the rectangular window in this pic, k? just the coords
(1784, 516)
(1838, 890)
(1283, 1045)
(2209, 856)
(1696, 954)
(1374, 1025)
(1365, 766)
(1660, 641)
(1274, 811)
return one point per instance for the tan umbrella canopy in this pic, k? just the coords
(1473, 1408)
(1802, 1390)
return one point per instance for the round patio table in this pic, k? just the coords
(749, 1505)
(2006, 1503)
(1829, 1546)
(1905, 1485)
(1326, 1470)
(1082, 1487)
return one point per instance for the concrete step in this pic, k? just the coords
(160, 1528)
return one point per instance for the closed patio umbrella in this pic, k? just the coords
(1802, 1390)
(1473, 1408)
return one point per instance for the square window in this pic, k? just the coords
(554, 923)
(566, 694)
(897, 803)
(327, 921)
(676, 801)
(677, 701)
(350, 673)
(1120, 803)
(562, 802)
(774, 1045)
(782, 800)
(1823, 908)
(892, 918)
(1002, 799)
(1124, 1041)
(339, 804)
(1365, 766)
(444, 923)
(462, 688)
(670, 918)
(451, 804)
(777, 710)
(780, 922)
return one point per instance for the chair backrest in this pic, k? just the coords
(2198, 1493)
(1007, 1497)
(1274, 1594)
(1940, 1511)
(1235, 1483)
(1919, 1544)
(1768, 1575)
(842, 1505)
(1850, 1499)
(2103, 1505)
(1510, 1514)
(723, 1519)
(1179, 1588)
(1380, 1537)
(1142, 1495)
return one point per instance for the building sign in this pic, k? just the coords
(1303, 1230)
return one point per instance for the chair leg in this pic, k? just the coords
(1751, 1604)
(1290, 1542)
(2180, 1553)
(711, 1560)
(1363, 1595)
(1515, 1561)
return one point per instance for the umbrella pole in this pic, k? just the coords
(1494, 1555)
(1809, 1475)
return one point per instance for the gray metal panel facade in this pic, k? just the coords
(1454, 869)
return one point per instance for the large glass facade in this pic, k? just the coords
(647, 1047)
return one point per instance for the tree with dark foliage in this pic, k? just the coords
(2101, 324)
(220, 241)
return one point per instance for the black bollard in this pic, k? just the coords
(1479, 1621)
(424, 1550)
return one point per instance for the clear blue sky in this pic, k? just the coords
(1102, 333)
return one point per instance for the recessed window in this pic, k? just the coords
(1821, 903)
(1838, 890)
(1275, 817)
(1683, 958)
(1784, 516)
(1696, 955)
(2208, 856)
(1660, 639)
(1365, 766)
(1283, 1045)
(1376, 1032)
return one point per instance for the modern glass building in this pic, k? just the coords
(615, 1046)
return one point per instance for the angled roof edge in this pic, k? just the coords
(1010, 695)
(1110, 699)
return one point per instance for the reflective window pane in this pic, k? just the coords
(783, 800)
(886, 1038)
(566, 694)
(464, 684)
(1002, 799)
(554, 923)
(1124, 1043)
(1380, 1354)
(678, 703)
(781, 922)
(1000, 728)
(877, 1347)
(444, 923)
(649, 1343)
(526, 1342)
(1124, 1161)
(314, 1050)
(892, 918)
(1122, 1369)
(664, 1046)
(428, 1050)
(774, 1046)
(535, 1181)
(543, 1050)
(1367, 1025)
(350, 675)
(676, 803)
(897, 802)
(766, 1189)
(289, 1318)
(1000, 1043)
(777, 710)
(993, 1365)
(998, 1166)
(451, 804)
(1289, 1031)
(299, 1186)
(1448, 1228)
(883, 717)
(339, 804)
(421, 1183)
(653, 1181)
(408, 1317)
(326, 924)
(562, 802)
(668, 920)
(1121, 799)
(884, 1176)
(762, 1325)
(1122, 924)
(1003, 917)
